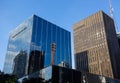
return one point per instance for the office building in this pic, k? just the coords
(37, 34)
(118, 35)
(20, 64)
(36, 61)
(96, 46)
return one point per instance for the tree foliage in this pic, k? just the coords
(6, 78)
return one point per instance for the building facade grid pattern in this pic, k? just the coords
(91, 35)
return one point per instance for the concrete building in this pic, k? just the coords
(96, 46)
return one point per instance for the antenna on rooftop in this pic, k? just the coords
(112, 15)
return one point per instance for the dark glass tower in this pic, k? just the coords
(20, 64)
(37, 34)
(36, 61)
(118, 35)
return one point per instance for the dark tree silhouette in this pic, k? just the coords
(34, 80)
(6, 78)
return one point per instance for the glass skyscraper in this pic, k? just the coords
(37, 34)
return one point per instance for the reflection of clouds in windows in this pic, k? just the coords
(8, 65)
(28, 23)
(11, 53)
(23, 36)
(21, 41)
(47, 73)
(8, 61)
(22, 32)
(12, 46)
(35, 47)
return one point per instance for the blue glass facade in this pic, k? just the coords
(38, 34)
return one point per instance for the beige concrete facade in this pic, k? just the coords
(93, 50)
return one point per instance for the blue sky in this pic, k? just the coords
(63, 13)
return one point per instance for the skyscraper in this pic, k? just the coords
(118, 35)
(20, 64)
(96, 46)
(37, 34)
(36, 61)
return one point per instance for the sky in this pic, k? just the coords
(64, 13)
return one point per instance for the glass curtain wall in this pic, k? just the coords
(19, 48)
(46, 33)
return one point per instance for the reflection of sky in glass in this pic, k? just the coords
(46, 73)
(19, 40)
(38, 34)
(46, 33)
